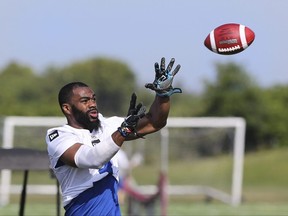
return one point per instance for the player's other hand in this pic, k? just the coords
(162, 83)
(128, 127)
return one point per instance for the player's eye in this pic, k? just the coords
(84, 100)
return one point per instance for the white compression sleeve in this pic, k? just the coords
(97, 156)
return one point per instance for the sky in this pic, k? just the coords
(41, 33)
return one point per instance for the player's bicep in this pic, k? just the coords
(68, 156)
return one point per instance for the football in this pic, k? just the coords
(229, 39)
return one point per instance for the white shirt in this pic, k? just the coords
(72, 180)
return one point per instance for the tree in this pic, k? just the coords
(235, 93)
(19, 94)
(112, 81)
(27, 93)
(276, 100)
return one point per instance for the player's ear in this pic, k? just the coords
(66, 108)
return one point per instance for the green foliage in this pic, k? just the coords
(29, 94)
(276, 101)
(112, 81)
(19, 95)
(234, 93)
(186, 105)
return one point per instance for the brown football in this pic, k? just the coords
(229, 39)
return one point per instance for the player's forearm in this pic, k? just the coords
(97, 156)
(159, 112)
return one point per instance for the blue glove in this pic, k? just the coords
(162, 84)
(128, 127)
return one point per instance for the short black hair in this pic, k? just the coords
(65, 92)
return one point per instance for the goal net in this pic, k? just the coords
(200, 156)
(217, 145)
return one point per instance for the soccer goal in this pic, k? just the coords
(25, 132)
(215, 136)
(198, 150)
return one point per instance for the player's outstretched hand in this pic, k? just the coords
(162, 84)
(128, 127)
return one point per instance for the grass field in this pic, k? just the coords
(265, 190)
(175, 209)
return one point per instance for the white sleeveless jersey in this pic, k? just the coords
(72, 180)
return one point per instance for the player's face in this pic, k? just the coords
(84, 108)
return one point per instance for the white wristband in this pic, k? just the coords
(97, 156)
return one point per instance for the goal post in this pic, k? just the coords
(238, 150)
(9, 125)
(233, 197)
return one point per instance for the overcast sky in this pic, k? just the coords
(42, 33)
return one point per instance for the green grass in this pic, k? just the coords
(267, 168)
(265, 174)
(219, 209)
(174, 209)
(37, 209)
(265, 187)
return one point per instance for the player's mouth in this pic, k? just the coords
(93, 113)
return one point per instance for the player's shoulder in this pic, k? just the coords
(60, 128)
(113, 120)
(55, 132)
